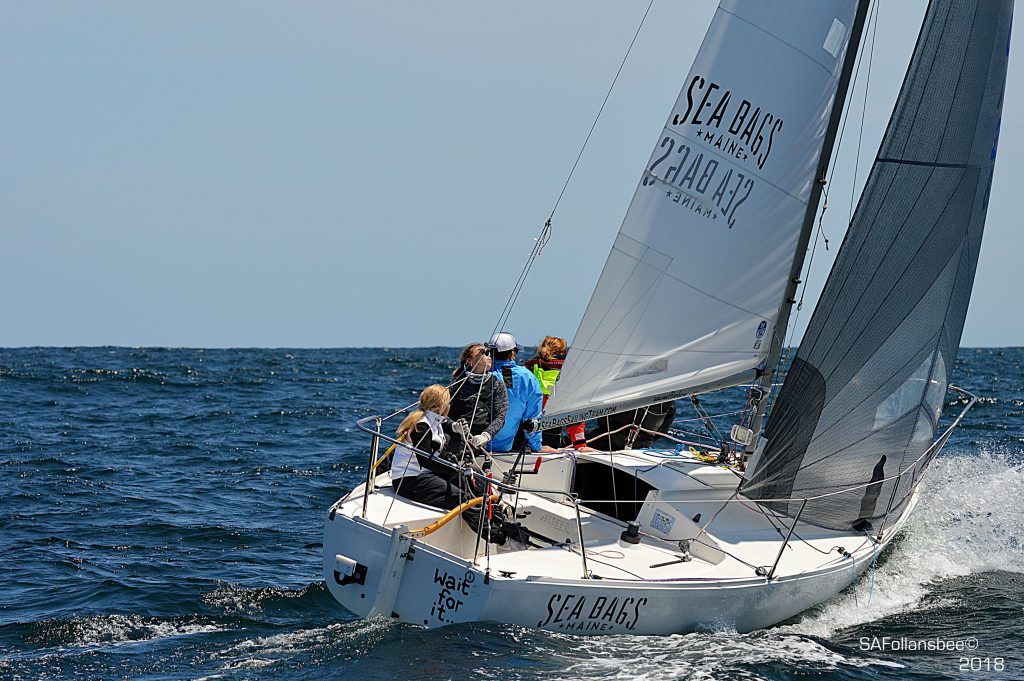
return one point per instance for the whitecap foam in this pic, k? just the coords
(232, 599)
(265, 650)
(705, 656)
(968, 520)
(112, 631)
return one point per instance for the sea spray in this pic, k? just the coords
(969, 520)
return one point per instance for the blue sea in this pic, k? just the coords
(161, 513)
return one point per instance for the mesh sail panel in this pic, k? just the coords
(862, 400)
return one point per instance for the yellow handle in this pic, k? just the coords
(381, 459)
(443, 520)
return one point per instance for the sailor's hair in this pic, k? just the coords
(551, 348)
(466, 357)
(433, 398)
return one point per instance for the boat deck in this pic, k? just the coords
(742, 537)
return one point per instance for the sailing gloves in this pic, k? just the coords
(462, 428)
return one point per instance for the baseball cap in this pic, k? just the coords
(503, 342)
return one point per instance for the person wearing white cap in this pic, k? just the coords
(525, 397)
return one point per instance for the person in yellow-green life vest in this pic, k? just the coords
(546, 365)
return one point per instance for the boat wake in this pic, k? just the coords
(708, 656)
(968, 521)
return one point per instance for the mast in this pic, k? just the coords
(767, 376)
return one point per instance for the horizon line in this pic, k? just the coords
(332, 347)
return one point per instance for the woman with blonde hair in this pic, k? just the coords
(417, 472)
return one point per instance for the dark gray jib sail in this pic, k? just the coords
(862, 399)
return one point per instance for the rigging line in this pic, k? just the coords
(799, 538)
(849, 103)
(702, 543)
(454, 384)
(874, 561)
(590, 553)
(601, 110)
(705, 526)
(631, 435)
(853, 577)
(399, 487)
(514, 294)
(863, 113)
(472, 416)
(820, 232)
(538, 246)
(545, 233)
(839, 145)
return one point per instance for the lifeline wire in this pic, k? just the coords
(853, 578)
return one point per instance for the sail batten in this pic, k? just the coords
(862, 401)
(691, 291)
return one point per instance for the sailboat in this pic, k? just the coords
(696, 296)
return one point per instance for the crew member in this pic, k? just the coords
(525, 398)
(546, 365)
(421, 476)
(478, 396)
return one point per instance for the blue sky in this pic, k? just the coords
(317, 174)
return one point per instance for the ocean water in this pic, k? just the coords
(161, 512)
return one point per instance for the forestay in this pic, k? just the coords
(863, 398)
(691, 290)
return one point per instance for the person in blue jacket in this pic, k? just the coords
(525, 397)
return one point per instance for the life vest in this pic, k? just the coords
(546, 373)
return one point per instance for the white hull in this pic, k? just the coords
(434, 581)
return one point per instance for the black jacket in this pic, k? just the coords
(422, 439)
(484, 408)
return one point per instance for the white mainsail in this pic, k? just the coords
(691, 291)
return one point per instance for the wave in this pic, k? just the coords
(969, 520)
(704, 656)
(83, 634)
(130, 374)
(237, 600)
(316, 642)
